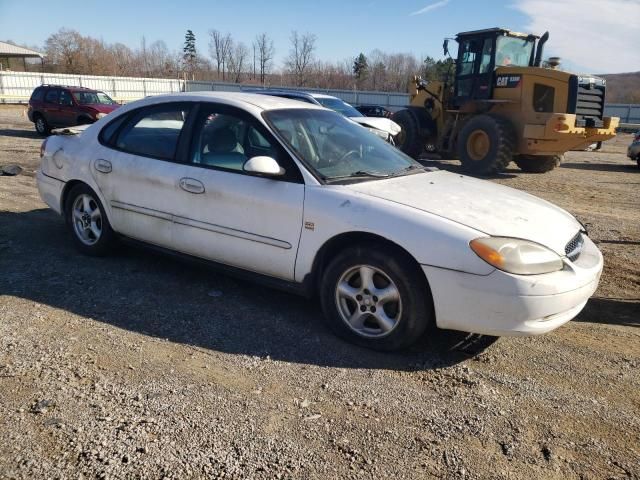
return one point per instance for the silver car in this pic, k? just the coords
(634, 149)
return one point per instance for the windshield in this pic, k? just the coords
(513, 51)
(93, 98)
(337, 148)
(339, 106)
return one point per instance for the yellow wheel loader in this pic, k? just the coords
(504, 105)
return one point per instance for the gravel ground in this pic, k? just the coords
(141, 366)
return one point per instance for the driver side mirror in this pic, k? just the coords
(263, 167)
(445, 47)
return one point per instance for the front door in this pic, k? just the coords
(229, 216)
(138, 171)
(474, 71)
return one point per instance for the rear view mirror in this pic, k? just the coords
(263, 167)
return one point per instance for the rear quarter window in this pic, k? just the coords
(38, 94)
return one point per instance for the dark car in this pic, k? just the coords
(374, 111)
(633, 152)
(53, 106)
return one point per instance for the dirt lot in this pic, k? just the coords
(140, 366)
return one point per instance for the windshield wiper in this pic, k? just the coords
(360, 173)
(408, 169)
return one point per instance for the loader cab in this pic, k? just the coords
(480, 53)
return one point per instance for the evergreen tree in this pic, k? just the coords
(360, 67)
(189, 52)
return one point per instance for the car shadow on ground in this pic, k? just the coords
(160, 296)
(20, 133)
(602, 167)
(612, 311)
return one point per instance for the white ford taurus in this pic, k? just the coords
(305, 199)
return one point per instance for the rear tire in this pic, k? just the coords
(538, 163)
(42, 127)
(87, 220)
(409, 139)
(376, 297)
(485, 145)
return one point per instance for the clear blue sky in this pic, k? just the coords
(343, 27)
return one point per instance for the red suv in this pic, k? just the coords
(53, 106)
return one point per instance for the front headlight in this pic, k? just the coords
(100, 115)
(514, 255)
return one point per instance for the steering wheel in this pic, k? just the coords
(348, 154)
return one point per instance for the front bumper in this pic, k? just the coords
(50, 191)
(503, 304)
(559, 134)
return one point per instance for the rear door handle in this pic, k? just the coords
(191, 185)
(103, 166)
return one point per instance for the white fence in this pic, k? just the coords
(16, 87)
(355, 97)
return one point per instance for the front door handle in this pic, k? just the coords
(191, 185)
(103, 166)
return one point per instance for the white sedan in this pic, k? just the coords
(300, 197)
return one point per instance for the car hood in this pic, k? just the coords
(102, 108)
(484, 206)
(378, 123)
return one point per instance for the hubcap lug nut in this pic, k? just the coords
(373, 309)
(359, 298)
(363, 308)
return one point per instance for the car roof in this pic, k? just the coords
(246, 100)
(291, 93)
(70, 87)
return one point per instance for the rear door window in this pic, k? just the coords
(52, 95)
(65, 98)
(154, 131)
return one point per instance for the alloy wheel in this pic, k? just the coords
(368, 301)
(87, 219)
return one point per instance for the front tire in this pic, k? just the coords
(485, 145)
(376, 297)
(538, 163)
(87, 220)
(409, 140)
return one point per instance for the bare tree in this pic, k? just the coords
(215, 48)
(226, 48)
(238, 61)
(263, 45)
(300, 56)
(63, 49)
(220, 47)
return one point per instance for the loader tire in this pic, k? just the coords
(409, 139)
(485, 145)
(538, 163)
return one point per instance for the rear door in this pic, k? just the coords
(51, 107)
(137, 168)
(67, 114)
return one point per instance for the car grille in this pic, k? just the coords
(586, 100)
(573, 249)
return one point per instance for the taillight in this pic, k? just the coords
(43, 147)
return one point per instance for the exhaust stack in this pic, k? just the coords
(538, 61)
